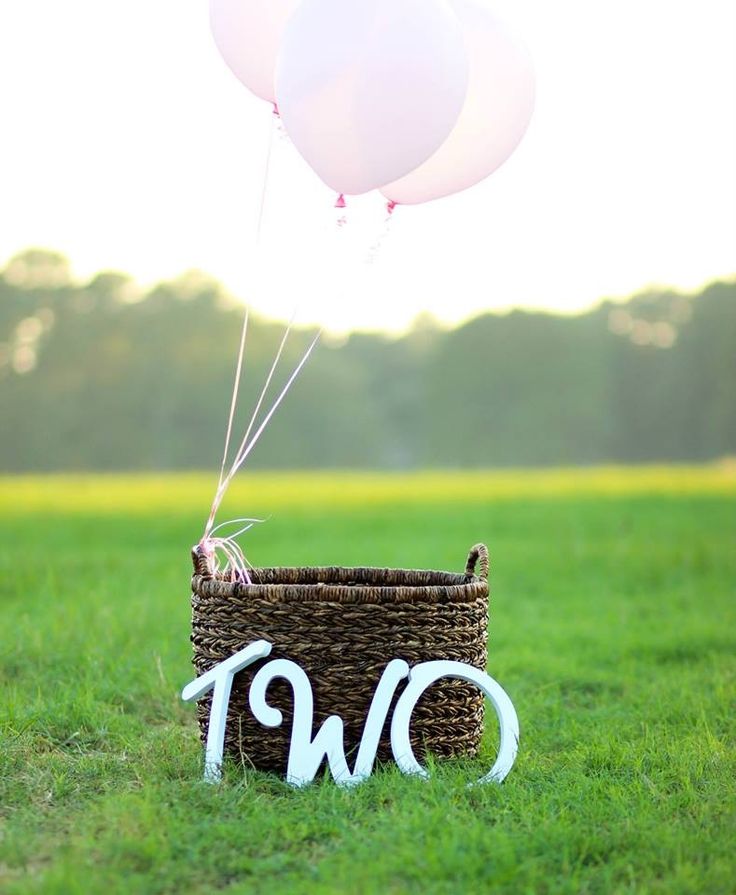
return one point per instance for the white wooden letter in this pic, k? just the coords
(220, 679)
(428, 673)
(305, 753)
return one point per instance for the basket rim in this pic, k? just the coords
(346, 584)
(362, 584)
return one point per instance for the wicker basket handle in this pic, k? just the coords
(202, 563)
(479, 554)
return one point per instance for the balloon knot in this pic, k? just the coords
(276, 110)
(341, 203)
(390, 206)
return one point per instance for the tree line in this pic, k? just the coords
(96, 376)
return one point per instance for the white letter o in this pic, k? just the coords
(426, 674)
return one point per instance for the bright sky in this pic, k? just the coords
(127, 144)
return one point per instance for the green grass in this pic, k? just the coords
(613, 628)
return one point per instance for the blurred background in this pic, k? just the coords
(98, 375)
(578, 307)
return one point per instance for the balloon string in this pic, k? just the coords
(275, 120)
(244, 331)
(233, 404)
(384, 234)
(223, 484)
(224, 553)
(235, 561)
(244, 455)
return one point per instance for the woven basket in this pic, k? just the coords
(343, 626)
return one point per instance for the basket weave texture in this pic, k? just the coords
(343, 626)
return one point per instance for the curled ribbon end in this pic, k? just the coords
(223, 556)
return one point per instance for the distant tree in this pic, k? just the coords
(37, 269)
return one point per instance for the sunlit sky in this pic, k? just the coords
(127, 144)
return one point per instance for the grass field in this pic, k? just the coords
(613, 628)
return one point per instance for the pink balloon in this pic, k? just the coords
(498, 107)
(369, 89)
(248, 35)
